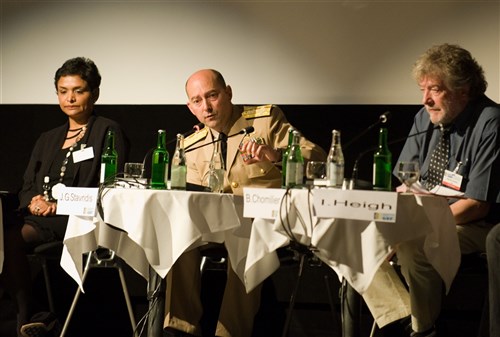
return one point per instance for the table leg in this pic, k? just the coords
(156, 297)
(351, 311)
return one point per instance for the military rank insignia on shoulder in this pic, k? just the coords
(250, 112)
(195, 137)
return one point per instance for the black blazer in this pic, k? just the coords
(86, 172)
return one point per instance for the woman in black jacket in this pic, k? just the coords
(68, 155)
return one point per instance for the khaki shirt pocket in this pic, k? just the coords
(262, 171)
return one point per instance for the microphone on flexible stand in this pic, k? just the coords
(195, 128)
(382, 119)
(354, 176)
(245, 131)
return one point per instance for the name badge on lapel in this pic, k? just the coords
(83, 154)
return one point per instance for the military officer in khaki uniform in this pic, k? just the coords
(209, 99)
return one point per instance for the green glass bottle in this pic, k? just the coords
(159, 165)
(382, 164)
(295, 164)
(109, 159)
(284, 157)
(179, 170)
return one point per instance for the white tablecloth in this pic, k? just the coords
(355, 249)
(154, 227)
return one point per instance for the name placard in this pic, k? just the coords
(262, 202)
(77, 201)
(355, 204)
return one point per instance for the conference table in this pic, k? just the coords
(150, 229)
(354, 248)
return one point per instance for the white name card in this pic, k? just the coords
(355, 204)
(77, 201)
(262, 202)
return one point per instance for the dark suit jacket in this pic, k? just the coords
(86, 172)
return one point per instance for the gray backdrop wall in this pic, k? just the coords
(284, 52)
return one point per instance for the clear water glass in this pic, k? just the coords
(408, 173)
